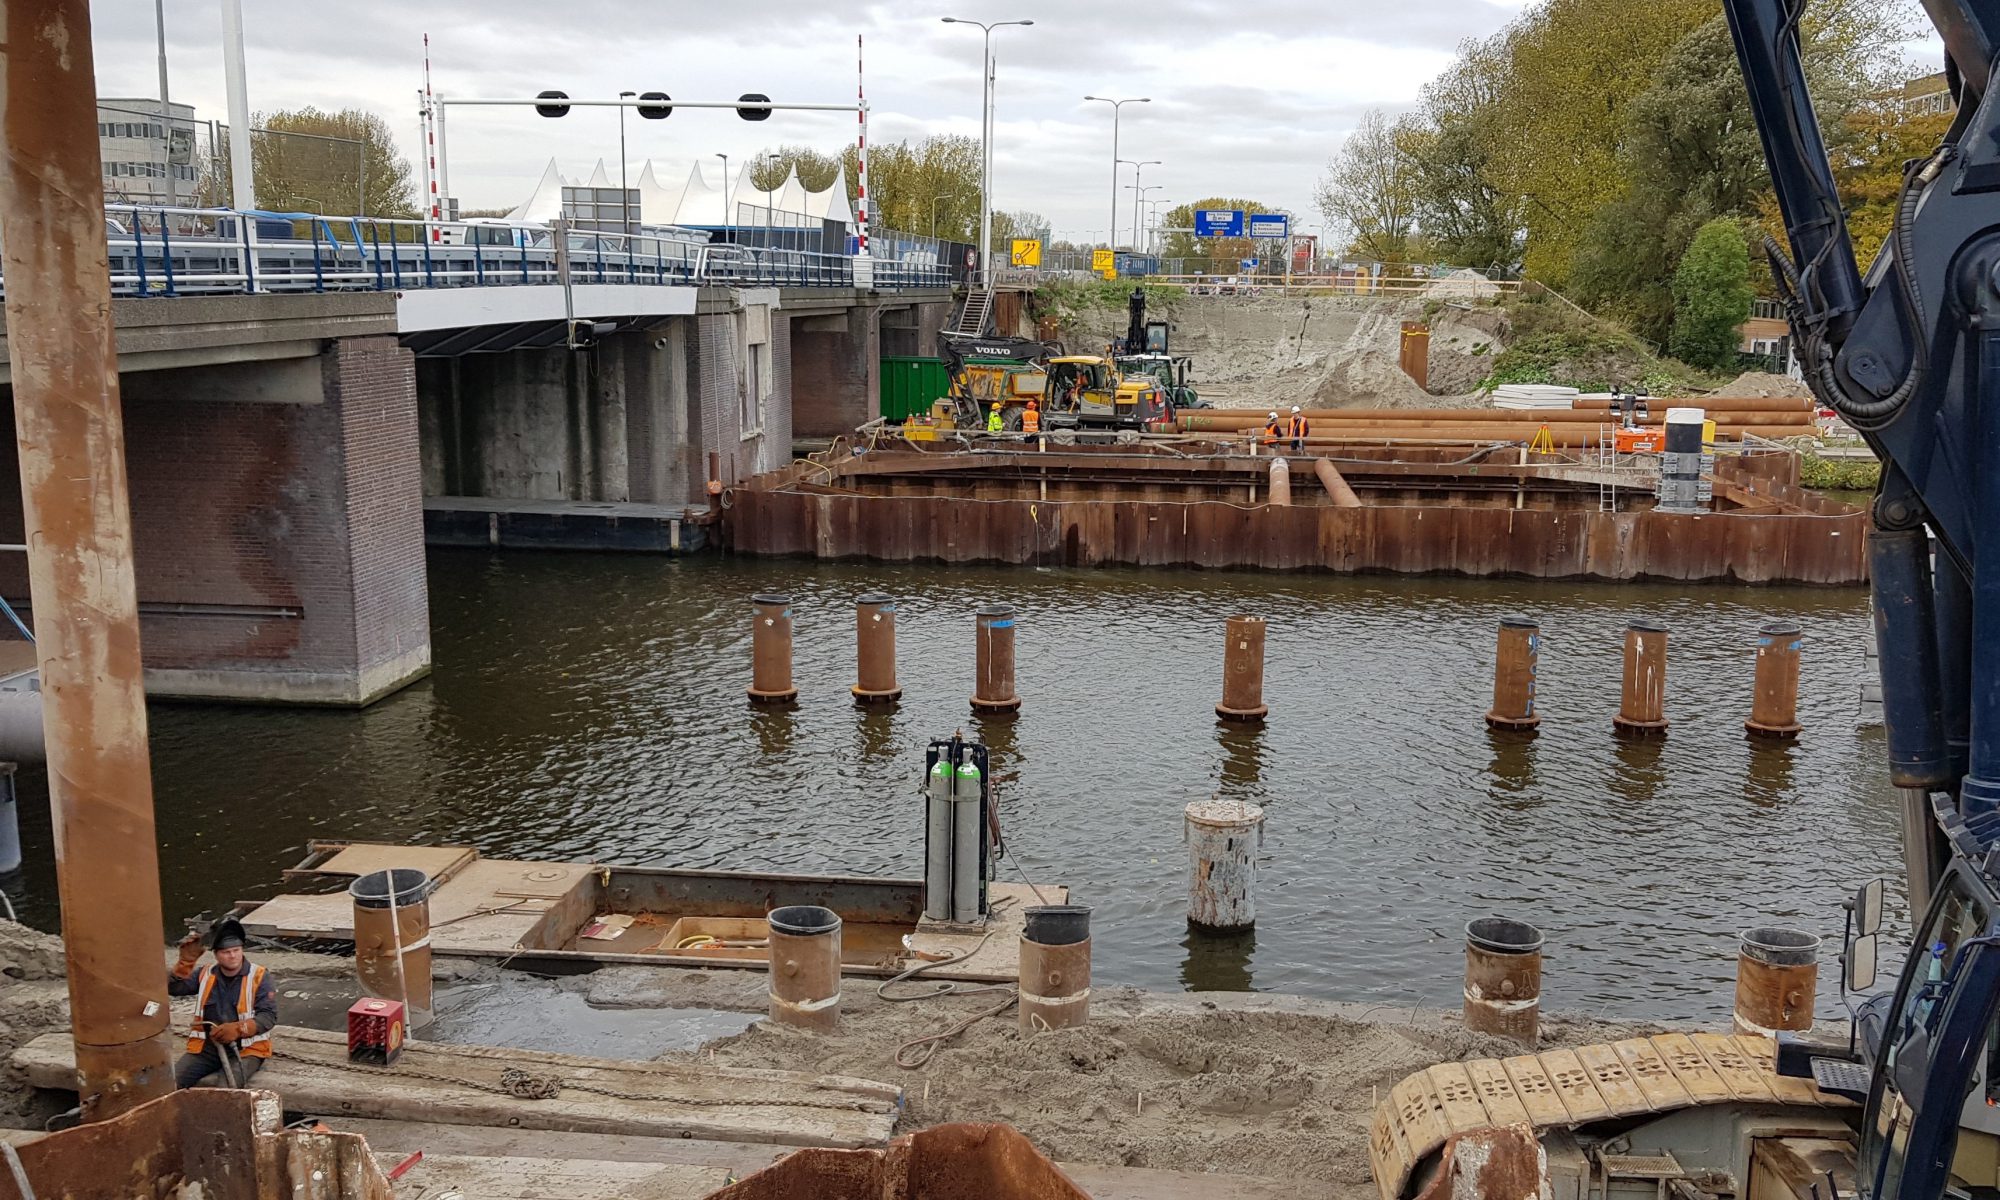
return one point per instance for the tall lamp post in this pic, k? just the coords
(1138, 202)
(985, 143)
(728, 213)
(1138, 168)
(624, 193)
(1116, 105)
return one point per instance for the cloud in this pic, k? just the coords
(1246, 99)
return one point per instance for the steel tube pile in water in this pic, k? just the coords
(1281, 483)
(392, 939)
(1642, 705)
(1243, 671)
(1514, 667)
(1222, 838)
(805, 966)
(1503, 978)
(1055, 967)
(1774, 708)
(771, 650)
(993, 690)
(875, 649)
(1777, 974)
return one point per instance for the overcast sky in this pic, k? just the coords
(1247, 99)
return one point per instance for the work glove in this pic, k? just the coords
(226, 1031)
(190, 949)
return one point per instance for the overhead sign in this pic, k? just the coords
(1218, 222)
(1105, 263)
(1270, 225)
(1249, 264)
(1027, 252)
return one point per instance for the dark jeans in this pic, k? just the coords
(205, 1069)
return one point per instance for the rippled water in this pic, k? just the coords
(591, 707)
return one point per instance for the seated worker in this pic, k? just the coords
(235, 1013)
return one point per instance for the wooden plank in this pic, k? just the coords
(365, 858)
(661, 1100)
(1693, 1071)
(1458, 1098)
(1389, 1155)
(995, 958)
(540, 1178)
(1738, 1073)
(1496, 1092)
(1535, 1090)
(1417, 1108)
(1650, 1071)
(1788, 1088)
(1574, 1086)
(1613, 1081)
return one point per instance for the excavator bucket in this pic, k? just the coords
(993, 1162)
(207, 1142)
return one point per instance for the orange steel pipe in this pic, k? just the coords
(1642, 705)
(875, 650)
(993, 687)
(1514, 669)
(1203, 423)
(1774, 706)
(771, 650)
(1243, 671)
(1336, 487)
(77, 514)
(1721, 403)
(1281, 483)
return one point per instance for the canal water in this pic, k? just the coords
(591, 707)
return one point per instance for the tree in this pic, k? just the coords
(1712, 296)
(1467, 218)
(331, 163)
(816, 169)
(1369, 190)
(1019, 223)
(915, 186)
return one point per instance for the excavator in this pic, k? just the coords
(1907, 1106)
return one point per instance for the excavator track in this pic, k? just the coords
(1560, 1089)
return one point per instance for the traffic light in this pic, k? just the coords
(659, 111)
(753, 114)
(552, 110)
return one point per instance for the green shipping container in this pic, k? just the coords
(910, 385)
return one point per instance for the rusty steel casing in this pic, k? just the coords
(392, 939)
(1055, 985)
(76, 516)
(805, 966)
(1514, 667)
(771, 650)
(993, 687)
(1414, 352)
(1222, 838)
(1642, 704)
(1337, 488)
(1503, 978)
(1777, 976)
(1281, 483)
(875, 649)
(1243, 671)
(1774, 704)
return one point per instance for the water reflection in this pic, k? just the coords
(1769, 784)
(1638, 773)
(775, 726)
(1510, 772)
(1217, 962)
(875, 728)
(1241, 772)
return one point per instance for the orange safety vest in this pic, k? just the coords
(1270, 433)
(1296, 427)
(257, 1046)
(1031, 421)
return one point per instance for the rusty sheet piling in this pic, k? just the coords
(771, 650)
(1336, 485)
(1515, 664)
(1642, 704)
(875, 650)
(1243, 671)
(1414, 352)
(1222, 838)
(993, 690)
(77, 515)
(1777, 974)
(1281, 483)
(805, 966)
(1503, 978)
(1055, 967)
(1774, 706)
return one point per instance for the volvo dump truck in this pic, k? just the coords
(1907, 1107)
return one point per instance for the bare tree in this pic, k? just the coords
(1369, 190)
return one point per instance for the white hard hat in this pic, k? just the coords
(1274, 413)
(1295, 408)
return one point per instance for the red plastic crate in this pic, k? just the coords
(375, 1031)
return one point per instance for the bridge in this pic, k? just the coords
(300, 408)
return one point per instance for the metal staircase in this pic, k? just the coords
(973, 317)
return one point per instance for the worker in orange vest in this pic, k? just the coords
(1271, 429)
(1296, 429)
(1031, 419)
(235, 1011)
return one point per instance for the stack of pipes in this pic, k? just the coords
(1585, 424)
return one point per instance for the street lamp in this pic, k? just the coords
(1139, 198)
(1116, 105)
(985, 143)
(624, 193)
(1137, 169)
(728, 213)
(770, 200)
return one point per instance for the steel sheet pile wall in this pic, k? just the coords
(784, 514)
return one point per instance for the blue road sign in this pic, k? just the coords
(1249, 264)
(1270, 225)
(1218, 222)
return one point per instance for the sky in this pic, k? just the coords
(1246, 100)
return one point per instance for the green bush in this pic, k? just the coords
(1839, 474)
(1712, 296)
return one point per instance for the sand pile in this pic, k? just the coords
(1763, 383)
(1193, 1082)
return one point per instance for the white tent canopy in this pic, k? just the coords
(697, 203)
(545, 202)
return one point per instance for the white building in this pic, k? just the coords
(138, 154)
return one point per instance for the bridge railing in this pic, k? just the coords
(170, 251)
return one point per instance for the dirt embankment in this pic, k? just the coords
(1220, 1082)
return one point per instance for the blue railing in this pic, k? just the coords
(160, 251)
